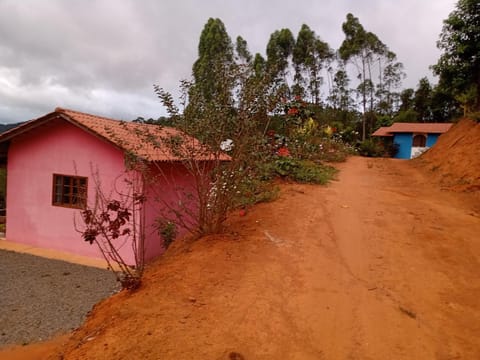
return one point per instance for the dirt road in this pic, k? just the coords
(378, 265)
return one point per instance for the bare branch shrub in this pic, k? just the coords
(115, 221)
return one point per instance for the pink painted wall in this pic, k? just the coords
(32, 160)
(169, 187)
(62, 148)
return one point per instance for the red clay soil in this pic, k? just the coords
(455, 159)
(381, 264)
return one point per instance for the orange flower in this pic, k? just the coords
(292, 111)
(283, 151)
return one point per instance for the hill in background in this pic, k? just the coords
(5, 127)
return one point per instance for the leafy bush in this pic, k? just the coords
(253, 190)
(474, 116)
(167, 230)
(371, 148)
(286, 166)
(333, 149)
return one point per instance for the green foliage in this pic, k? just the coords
(468, 99)
(259, 65)
(407, 116)
(285, 166)
(358, 42)
(371, 148)
(279, 50)
(241, 49)
(444, 106)
(475, 116)
(167, 230)
(304, 171)
(459, 65)
(310, 55)
(340, 95)
(364, 49)
(422, 101)
(406, 99)
(215, 56)
(256, 188)
(238, 112)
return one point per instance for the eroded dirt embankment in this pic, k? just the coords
(454, 161)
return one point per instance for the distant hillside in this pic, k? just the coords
(5, 127)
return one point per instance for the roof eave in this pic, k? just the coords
(27, 126)
(91, 132)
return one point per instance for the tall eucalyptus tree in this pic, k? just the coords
(310, 56)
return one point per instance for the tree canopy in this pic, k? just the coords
(215, 52)
(356, 88)
(310, 55)
(459, 65)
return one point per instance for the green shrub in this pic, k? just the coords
(286, 166)
(253, 190)
(474, 116)
(371, 148)
(310, 172)
(304, 171)
(167, 231)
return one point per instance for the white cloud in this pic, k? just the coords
(104, 56)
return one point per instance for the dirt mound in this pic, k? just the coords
(454, 160)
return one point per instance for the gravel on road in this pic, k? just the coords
(41, 297)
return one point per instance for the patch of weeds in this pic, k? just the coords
(256, 190)
(310, 172)
(167, 231)
(304, 171)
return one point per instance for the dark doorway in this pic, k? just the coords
(419, 141)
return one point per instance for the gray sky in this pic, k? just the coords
(104, 56)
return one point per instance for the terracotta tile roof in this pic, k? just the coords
(383, 131)
(144, 140)
(430, 128)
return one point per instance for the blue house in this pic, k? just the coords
(412, 139)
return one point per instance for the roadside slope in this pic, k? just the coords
(377, 265)
(454, 160)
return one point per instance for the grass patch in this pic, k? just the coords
(255, 190)
(304, 171)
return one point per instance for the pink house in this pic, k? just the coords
(57, 163)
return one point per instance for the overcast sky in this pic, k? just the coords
(104, 56)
